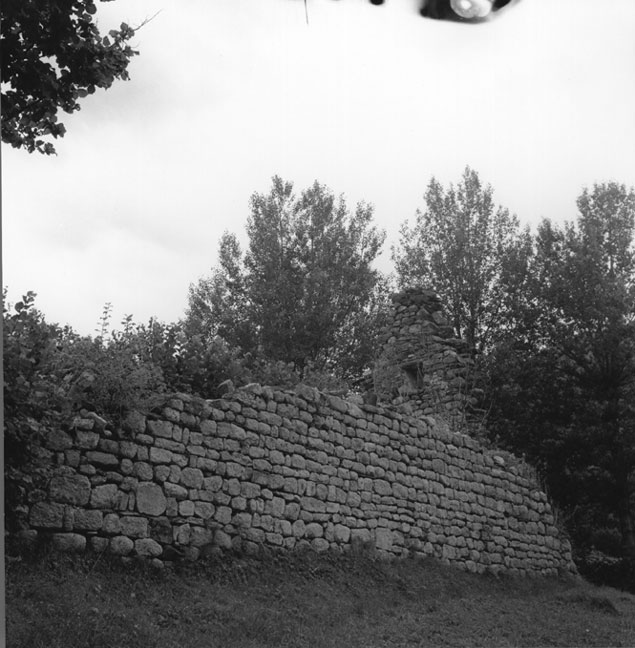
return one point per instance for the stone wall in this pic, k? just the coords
(264, 467)
(435, 366)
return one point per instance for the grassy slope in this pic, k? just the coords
(304, 600)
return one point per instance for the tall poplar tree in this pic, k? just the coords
(470, 251)
(305, 281)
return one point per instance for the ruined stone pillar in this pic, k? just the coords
(423, 368)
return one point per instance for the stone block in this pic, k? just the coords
(222, 539)
(319, 544)
(341, 533)
(134, 527)
(148, 548)
(382, 487)
(191, 478)
(112, 524)
(150, 499)
(88, 520)
(69, 542)
(201, 536)
(298, 528)
(87, 440)
(223, 515)
(213, 484)
(186, 508)
(383, 539)
(104, 496)
(204, 510)
(161, 473)
(313, 530)
(160, 455)
(70, 489)
(161, 429)
(98, 544)
(58, 440)
(103, 459)
(46, 515)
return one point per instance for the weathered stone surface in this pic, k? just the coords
(142, 470)
(150, 499)
(174, 490)
(161, 428)
(70, 489)
(69, 542)
(191, 477)
(58, 440)
(88, 520)
(46, 515)
(147, 547)
(134, 527)
(98, 544)
(104, 497)
(112, 524)
(383, 539)
(201, 536)
(160, 455)
(341, 533)
(222, 539)
(121, 545)
(102, 459)
(186, 508)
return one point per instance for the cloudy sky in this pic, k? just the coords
(371, 101)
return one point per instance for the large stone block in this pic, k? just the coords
(150, 499)
(160, 455)
(88, 520)
(104, 496)
(70, 489)
(69, 542)
(58, 440)
(46, 515)
(313, 530)
(191, 478)
(341, 533)
(104, 459)
(134, 527)
(147, 547)
(383, 539)
(175, 490)
(201, 536)
(121, 545)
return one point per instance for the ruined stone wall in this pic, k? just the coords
(435, 367)
(263, 467)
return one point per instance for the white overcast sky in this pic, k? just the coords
(371, 101)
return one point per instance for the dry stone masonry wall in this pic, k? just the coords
(290, 469)
(435, 366)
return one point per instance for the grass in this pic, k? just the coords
(302, 600)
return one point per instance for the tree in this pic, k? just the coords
(53, 55)
(471, 252)
(305, 279)
(562, 391)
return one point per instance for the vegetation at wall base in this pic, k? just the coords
(303, 599)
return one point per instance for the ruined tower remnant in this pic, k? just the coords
(433, 367)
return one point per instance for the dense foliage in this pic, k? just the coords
(562, 383)
(471, 252)
(53, 55)
(305, 292)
